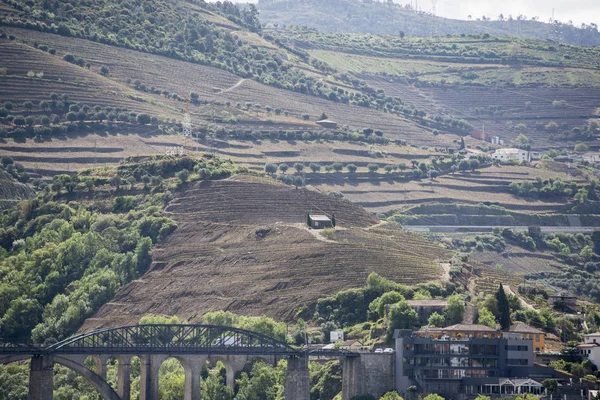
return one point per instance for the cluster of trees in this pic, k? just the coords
(58, 116)
(289, 135)
(556, 188)
(49, 245)
(358, 306)
(417, 170)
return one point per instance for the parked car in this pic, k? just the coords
(378, 350)
(388, 350)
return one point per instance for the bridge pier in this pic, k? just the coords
(41, 382)
(193, 369)
(297, 381)
(233, 365)
(370, 373)
(124, 377)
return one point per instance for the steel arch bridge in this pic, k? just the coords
(173, 339)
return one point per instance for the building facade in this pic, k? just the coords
(469, 364)
(526, 332)
(506, 155)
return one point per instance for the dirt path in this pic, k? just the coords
(524, 304)
(446, 269)
(233, 87)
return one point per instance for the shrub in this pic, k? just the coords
(144, 119)
(299, 167)
(373, 167)
(270, 168)
(19, 120)
(70, 58)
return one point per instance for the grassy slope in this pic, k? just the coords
(215, 260)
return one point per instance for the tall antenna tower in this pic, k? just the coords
(433, 22)
(187, 119)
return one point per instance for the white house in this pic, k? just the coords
(590, 348)
(336, 336)
(592, 158)
(505, 155)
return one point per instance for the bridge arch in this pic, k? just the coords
(97, 382)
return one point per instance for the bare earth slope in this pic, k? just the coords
(242, 246)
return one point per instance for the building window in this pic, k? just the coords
(517, 361)
(516, 348)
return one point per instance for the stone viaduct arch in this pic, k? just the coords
(192, 345)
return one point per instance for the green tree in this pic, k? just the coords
(183, 175)
(550, 385)
(299, 167)
(436, 320)
(455, 309)
(263, 383)
(104, 70)
(14, 384)
(581, 147)
(486, 318)
(578, 370)
(503, 308)
(144, 119)
(338, 167)
(401, 316)
(283, 167)
(20, 318)
(377, 306)
(433, 397)
(391, 396)
(270, 168)
(373, 167)
(351, 168)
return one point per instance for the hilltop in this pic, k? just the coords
(386, 18)
(242, 245)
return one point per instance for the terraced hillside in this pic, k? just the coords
(489, 184)
(242, 245)
(503, 86)
(508, 112)
(218, 88)
(58, 76)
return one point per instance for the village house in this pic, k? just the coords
(590, 348)
(563, 302)
(506, 155)
(592, 158)
(325, 123)
(526, 332)
(319, 221)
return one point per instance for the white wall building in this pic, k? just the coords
(336, 336)
(505, 155)
(590, 348)
(592, 158)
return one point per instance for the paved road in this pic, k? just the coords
(489, 228)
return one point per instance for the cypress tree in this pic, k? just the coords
(333, 220)
(503, 308)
